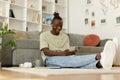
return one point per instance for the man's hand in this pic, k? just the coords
(68, 52)
(73, 52)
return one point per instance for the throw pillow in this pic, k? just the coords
(102, 42)
(20, 35)
(91, 40)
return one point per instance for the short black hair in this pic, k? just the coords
(56, 16)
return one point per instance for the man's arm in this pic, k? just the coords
(54, 53)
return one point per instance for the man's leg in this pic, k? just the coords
(107, 56)
(91, 65)
(71, 61)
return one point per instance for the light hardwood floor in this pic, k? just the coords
(11, 75)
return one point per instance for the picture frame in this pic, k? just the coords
(93, 13)
(118, 20)
(103, 21)
(86, 21)
(93, 23)
(88, 1)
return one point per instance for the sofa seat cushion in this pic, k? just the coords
(27, 44)
(21, 56)
(82, 50)
(91, 40)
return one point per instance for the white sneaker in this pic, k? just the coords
(107, 56)
(117, 55)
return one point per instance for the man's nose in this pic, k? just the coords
(59, 27)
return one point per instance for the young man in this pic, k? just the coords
(55, 47)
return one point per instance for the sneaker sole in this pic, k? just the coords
(107, 56)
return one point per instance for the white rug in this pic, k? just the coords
(47, 71)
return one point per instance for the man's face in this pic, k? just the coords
(57, 26)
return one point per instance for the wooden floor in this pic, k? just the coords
(11, 75)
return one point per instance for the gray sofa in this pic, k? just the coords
(27, 48)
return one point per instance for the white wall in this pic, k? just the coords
(77, 15)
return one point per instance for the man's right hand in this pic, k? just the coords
(68, 52)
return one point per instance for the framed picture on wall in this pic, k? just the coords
(118, 20)
(86, 21)
(103, 21)
(93, 13)
(93, 23)
(88, 2)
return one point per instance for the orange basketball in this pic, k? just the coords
(91, 40)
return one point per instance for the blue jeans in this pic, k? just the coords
(73, 61)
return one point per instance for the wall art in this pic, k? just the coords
(88, 2)
(93, 14)
(92, 23)
(103, 21)
(118, 20)
(86, 21)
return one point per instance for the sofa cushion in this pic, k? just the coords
(33, 35)
(27, 44)
(76, 39)
(26, 55)
(102, 42)
(83, 50)
(20, 35)
(91, 40)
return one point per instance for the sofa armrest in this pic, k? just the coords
(82, 50)
(6, 51)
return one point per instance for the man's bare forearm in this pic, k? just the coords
(55, 53)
